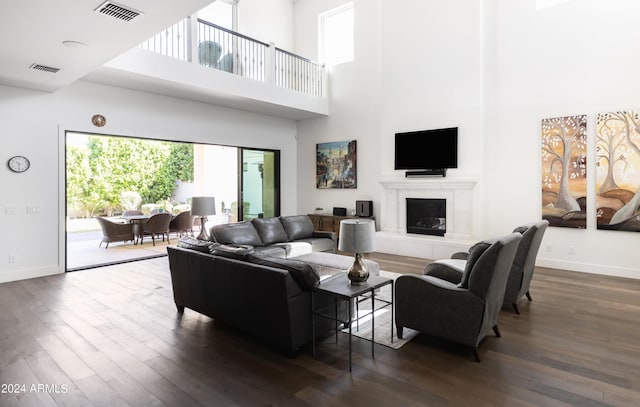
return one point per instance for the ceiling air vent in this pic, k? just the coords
(44, 68)
(118, 11)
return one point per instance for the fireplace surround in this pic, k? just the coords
(393, 236)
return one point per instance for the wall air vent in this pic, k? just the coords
(118, 11)
(44, 68)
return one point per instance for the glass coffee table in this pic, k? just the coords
(339, 289)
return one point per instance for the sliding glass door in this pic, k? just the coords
(259, 183)
(107, 176)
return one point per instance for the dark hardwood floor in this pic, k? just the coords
(112, 337)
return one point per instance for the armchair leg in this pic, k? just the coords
(497, 331)
(180, 308)
(476, 356)
(515, 308)
(528, 296)
(399, 331)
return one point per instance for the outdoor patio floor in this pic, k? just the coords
(83, 251)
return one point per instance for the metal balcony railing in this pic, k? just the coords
(220, 48)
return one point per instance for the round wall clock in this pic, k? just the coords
(18, 163)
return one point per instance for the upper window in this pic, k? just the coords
(222, 13)
(336, 35)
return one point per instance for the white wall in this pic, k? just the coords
(354, 111)
(576, 58)
(405, 76)
(494, 68)
(32, 123)
(432, 78)
(267, 21)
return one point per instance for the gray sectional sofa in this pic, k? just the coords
(284, 236)
(264, 296)
(249, 280)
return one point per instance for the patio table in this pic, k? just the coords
(137, 220)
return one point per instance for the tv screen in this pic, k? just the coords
(427, 149)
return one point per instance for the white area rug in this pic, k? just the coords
(382, 320)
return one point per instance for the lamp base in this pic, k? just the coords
(357, 273)
(203, 230)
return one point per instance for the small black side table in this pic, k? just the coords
(339, 288)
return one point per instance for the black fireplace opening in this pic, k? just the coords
(427, 216)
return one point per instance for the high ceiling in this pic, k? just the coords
(52, 33)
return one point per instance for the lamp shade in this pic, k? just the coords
(203, 205)
(357, 236)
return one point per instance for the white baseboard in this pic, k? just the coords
(28, 273)
(433, 248)
(614, 271)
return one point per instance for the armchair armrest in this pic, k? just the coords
(448, 270)
(460, 255)
(430, 295)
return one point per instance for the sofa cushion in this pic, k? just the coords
(273, 250)
(241, 233)
(293, 249)
(192, 243)
(238, 252)
(270, 230)
(297, 226)
(321, 244)
(304, 275)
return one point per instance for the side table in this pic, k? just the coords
(339, 288)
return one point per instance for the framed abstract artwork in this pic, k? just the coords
(618, 170)
(564, 171)
(336, 165)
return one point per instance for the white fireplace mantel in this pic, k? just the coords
(393, 236)
(437, 184)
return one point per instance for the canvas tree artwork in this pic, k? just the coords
(336, 165)
(618, 170)
(564, 171)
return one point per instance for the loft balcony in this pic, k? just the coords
(205, 62)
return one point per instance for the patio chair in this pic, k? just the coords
(182, 223)
(114, 232)
(158, 224)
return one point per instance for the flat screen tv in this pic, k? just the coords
(427, 149)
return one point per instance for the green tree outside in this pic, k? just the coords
(98, 173)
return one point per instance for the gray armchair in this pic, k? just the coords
(523, 264)
(463, 310)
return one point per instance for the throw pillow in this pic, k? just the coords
(241, 233)
(297, 227)
(237, 252)
(270, 230)
(187, 242)
(301, 272)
